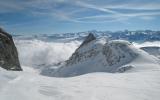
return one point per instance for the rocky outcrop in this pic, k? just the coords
(152, 50)
(118, 52)
(88, 39)
(8, 52)
(76, 56)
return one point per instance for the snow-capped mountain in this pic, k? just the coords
(93, 58)
(142, 36)
(101, 55)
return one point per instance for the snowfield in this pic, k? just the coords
(143, 85)
(141, 82)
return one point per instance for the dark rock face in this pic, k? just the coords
(8, 52)
(88, 39)
(152, 50)
(76, 56)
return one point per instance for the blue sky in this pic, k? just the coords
(60, 16)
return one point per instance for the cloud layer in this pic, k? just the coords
(40, 53)
(85, 11)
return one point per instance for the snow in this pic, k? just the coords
(142, 82)
(108, 56)
(144, 85)
(147, 44)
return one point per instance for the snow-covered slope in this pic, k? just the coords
(96, 86)
(100, 55)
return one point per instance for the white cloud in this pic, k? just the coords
(42, 52)
(147, 44)
(10, 6)
(83, 4)
(118, 15)
(135, 6)
(147, 17)
(65, 10)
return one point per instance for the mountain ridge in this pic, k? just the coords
(103, 55)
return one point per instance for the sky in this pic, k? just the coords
(62, 16)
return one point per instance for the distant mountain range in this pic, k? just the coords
(146, 35)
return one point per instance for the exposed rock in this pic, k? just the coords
(152, 50)
(124, 68)
(8, 52)
(76, 56)
(88, 39)
(118, 51)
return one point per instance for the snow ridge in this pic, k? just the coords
(101, 55)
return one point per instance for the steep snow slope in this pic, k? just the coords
(100, 55)
(144, 85)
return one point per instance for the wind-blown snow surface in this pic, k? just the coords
(144, 85)
(30, 85)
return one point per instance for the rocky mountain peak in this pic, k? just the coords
(98, 56)
(2, 32)
(8, 52)
(88, 39)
